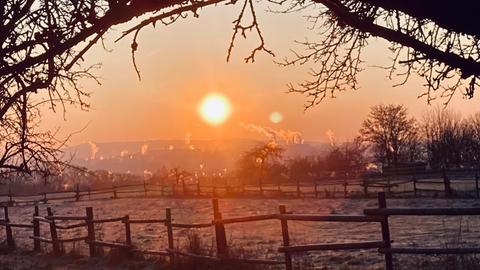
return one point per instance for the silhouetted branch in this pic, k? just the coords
(422, 42)
(241, 29)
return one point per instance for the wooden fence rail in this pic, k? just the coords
(331, 247)
(378, 215)
(417, 184)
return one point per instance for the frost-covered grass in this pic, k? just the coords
(260, 240)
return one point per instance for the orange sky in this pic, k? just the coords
(182, 62)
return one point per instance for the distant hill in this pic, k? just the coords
(151, 156)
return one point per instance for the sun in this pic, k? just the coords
(215, 108)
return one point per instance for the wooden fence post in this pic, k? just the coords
(476, 186)
(168, 224)
(144, 188)
(162, 188)
(414, 186)
(220, 235)
(10, 197)
(260, 185)
(184, 187)
(227, 188)
(286, 237)
(90, 231)
(298, 188)
(128, 235)
(446, 183)
(44, 200)
(316, 189)
(77, 192)
(382, 203)
(115, 195)
(345, 189)
(53, 232)
(389, 186)
(8, 229)
(36, 230)
(365, 187)
(198, 188)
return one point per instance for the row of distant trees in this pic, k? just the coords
(441, 138)
(388, 138)
(266, 163)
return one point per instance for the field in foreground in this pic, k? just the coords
(261, 240)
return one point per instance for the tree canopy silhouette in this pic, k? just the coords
(438, 40)
(391, 134)
(43, 43)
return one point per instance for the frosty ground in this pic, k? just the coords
(258, 240)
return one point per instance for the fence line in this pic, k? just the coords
(378, 215)
(415, 185)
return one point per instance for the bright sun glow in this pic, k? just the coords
(276, 117)
(215, 108)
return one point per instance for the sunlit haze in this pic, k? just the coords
(225, 134)
(215, 108)
(183, 62)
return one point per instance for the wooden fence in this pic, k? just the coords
(441, 183)
(378, 215)
(311, 189)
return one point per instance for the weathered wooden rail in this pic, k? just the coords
(156, 190)
(418, 184)
(378, 215)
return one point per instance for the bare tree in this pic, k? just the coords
(257, 162)
(43, 41)
(318, 166)
(301, 168)
(471, 129)
(346, 159)
(389, 132)
(445, 138)
(26, 150)
(335, 162)
(437, 40)
(43, 44)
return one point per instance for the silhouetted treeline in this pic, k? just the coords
(389, 139)
(265, 163)
(441, 138)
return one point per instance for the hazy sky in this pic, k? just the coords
(182, 62)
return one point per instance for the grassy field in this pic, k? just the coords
(260, 240)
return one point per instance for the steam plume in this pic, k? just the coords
(123, 153)
(188, 136)
(331, 137)
(144, 149)
(93, 149)
(287, 136)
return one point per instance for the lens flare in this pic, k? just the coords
(214, 108)
(276, 117)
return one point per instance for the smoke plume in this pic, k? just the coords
(286, 136)
(123, 153)
(144, 149)
(188, 137)
(331, 137)
(93, 149)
